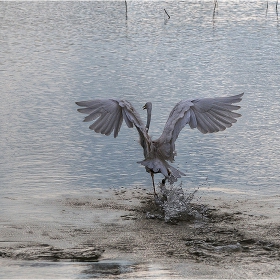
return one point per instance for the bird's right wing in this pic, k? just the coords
(214, 114)
(108, 115)
(208, 115)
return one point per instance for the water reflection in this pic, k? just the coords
(107, 268)
(103, 270)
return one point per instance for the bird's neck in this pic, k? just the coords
(149, 117)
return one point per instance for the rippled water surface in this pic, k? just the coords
(55, 53)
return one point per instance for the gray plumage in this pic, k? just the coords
(208, 115)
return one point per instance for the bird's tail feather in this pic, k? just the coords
(161, 166)
(175, 174)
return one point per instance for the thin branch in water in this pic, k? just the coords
(167, 13)
(214, 11)
(215, 4)
(125, 9)
(266, 8)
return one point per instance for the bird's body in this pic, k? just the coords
(208, 115)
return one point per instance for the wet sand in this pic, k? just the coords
(236, 236)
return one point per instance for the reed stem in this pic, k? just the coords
(167, 14)
(125, 9)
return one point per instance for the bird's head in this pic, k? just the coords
(147, 106)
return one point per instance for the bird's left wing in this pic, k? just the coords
(108, 115)
(208, 115)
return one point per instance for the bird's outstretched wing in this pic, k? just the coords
(108, 115)
(208, 115)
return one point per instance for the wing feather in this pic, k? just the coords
(223, 118)
(108, 115)
(94, 115)
(193, 121)
(225, 107)
(206, 122)
(86, 110)
(218, 125)
(216, 114)
(117, 123)
(208, 115)
(101, 124)
(226, 114)
(110, 127)
(178, 118)
(127, 120)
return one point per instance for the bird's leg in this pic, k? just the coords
(152, 175)
(169, 172)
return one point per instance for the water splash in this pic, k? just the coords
(176, 204)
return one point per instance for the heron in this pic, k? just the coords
(208, 115)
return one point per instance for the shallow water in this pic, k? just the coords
(82, 270)
(55, 53)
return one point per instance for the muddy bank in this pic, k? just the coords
(233, 237)
(40, 251)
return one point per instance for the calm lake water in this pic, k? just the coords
(53, 54)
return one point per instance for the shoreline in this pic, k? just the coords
(236, 238)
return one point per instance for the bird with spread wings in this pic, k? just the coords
(208, 115)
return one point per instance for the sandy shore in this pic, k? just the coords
(236, 237)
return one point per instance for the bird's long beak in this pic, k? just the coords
(144, 107)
